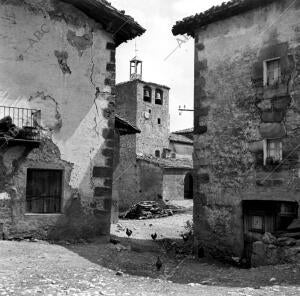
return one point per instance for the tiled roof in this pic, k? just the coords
(123, 27)
(167, 163)
(216, 13)
(145, 82)
(184, 131)
(124, 126)
(179, 138)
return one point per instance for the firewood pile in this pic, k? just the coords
(149, 210)
(9, 130)
(7, 127)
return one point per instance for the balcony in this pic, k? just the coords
(19, 126)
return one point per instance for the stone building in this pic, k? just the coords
(145, 104)
(246, 126)
(122, 128)
(57, 87)
(154, 164)
(181, 144)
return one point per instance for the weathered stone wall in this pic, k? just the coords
(136, 181)
(271, 250)
(181, 150)
(56, 59)
(153, 136)
(173, 184)
(125, 187)
(126, 100)
(131, 105)
(150, 182)
(229, 104)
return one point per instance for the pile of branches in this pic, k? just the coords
(148, 210)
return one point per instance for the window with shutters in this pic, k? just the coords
(272, 72)
(257, 223)
(44, 191)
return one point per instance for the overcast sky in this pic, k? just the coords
(158, 17)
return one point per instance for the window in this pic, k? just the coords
(158, 97)
(43, 191)
(147, 94)
(149, 111)
(272, 72)
(157, 153)
(158, 120)
(272, 151)
(268, 216)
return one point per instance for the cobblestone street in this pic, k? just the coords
(39, 268)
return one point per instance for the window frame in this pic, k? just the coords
(267, 150)
(159, 101)
(252, 229)
(145, 98)
(265, 69)
(62, 174)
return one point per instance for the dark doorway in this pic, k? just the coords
(262, 216)
(188, 186)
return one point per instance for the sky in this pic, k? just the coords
(155, 48)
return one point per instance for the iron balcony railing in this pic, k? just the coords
(22, 117)
(21, 123)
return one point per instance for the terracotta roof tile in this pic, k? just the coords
(184, 131)
(179, 138)
(124, 124)
(115, 21)
(216, 13)
(167, 163)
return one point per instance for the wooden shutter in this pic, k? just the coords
(44, 191)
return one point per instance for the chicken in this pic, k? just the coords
(184, 237)
(128, 232)
(158, 263)
(154, 236)
(114, 241)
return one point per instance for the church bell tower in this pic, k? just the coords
(136, 69)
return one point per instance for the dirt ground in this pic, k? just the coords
(98, 268)
(169, 227)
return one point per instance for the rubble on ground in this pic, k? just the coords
(150, 210)
(279, 249)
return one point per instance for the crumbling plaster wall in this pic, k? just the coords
(227, 121)
(55, 58)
